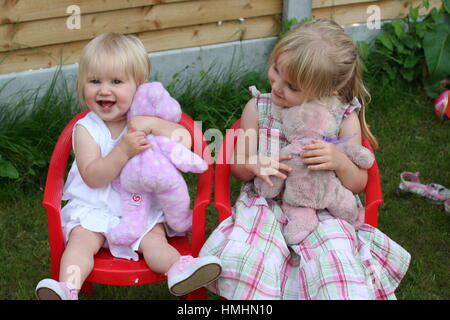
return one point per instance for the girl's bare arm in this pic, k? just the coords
(244, 148)
(352, 177)
(161, 127)
(246, 163)
(98, 171)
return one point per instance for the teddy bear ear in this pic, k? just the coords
(155, 86)
(141, 92)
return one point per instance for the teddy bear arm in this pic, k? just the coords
(359, 155)
(267, 191)
(181, 157)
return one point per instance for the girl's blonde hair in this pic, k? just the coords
(115, 53)
(321, 60)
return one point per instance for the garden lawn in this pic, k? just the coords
(411, 139)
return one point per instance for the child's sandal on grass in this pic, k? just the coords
(410, 182)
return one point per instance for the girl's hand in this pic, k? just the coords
(141, 123)
(161, 127)
(134, 142)
(264, 167)
(321, 155)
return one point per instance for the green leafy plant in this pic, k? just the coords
(414, 49)
(289, 24)
(286, 26)
(7, 169)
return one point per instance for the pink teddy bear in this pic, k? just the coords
(154, 173)
(306, 191)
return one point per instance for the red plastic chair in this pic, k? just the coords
(108, 269)
(373, 195)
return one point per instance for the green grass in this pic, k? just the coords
(411, 139)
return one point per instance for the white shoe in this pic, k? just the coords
(49, 289)
(189, 274)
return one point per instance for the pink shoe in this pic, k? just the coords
(49, 289)
(410, 182)
(189, 274)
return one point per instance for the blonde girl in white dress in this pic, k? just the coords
(111, 68)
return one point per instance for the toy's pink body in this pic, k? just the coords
(154, 173)
(306, 191)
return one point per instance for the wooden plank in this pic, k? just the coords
(13, 11)
(357, 13)
(330, 3)
(53, 31)
(158, 40)
(184, 37)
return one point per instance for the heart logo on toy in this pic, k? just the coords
(136, 199)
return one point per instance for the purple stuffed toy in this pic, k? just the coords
(154, 173)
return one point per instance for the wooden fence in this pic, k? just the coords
(35, 33)
(347, 12)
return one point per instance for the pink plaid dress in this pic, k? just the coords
(333, 262)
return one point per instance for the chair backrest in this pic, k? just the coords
(55, 182)
(222, 202)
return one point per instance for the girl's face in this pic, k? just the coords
(284, 93)
(109, 95)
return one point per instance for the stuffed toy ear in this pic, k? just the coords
(151, 99)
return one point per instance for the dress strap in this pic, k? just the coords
(254, 92)
(354, 105)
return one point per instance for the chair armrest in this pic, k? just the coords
(222, 173)
(204, 184)
(202, 200)
(373, 194)
(222, 191)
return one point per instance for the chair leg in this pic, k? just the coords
(87, 289)
(199, 294)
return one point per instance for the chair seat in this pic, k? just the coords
(121, 272)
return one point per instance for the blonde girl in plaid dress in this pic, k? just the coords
(317, 60)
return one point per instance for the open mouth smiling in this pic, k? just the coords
(106, 104)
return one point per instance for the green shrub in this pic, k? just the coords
(413, 49)
(29, 129)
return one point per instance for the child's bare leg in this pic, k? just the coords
(184, 274)
(78, 258)
(158, 253)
